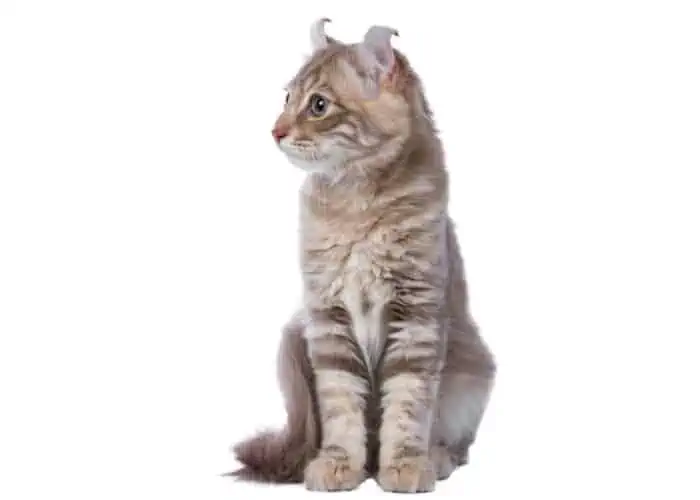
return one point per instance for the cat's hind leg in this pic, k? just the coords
(462, 401)
(443, 461)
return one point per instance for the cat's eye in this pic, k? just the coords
(318, 105)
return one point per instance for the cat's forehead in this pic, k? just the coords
(320, 66)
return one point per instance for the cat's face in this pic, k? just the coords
(337, 109)
(318, 130)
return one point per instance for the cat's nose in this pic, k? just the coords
(280, 132)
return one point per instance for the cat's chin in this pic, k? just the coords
(322, 165)
(324, 159)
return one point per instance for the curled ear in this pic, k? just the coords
(319, 39)
(377, 45)
(377, 55)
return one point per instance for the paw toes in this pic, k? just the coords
(408, 475)
(332, 474)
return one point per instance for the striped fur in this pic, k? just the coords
(401, 376)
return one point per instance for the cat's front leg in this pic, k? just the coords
(409, 376)
(342, 389)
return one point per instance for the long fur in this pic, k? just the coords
(384, 373)
(280, 456)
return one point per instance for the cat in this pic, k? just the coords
(383, 370)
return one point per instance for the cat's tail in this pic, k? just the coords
(281, 456)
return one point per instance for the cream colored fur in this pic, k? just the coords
(387, 326)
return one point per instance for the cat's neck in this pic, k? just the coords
(407, 168)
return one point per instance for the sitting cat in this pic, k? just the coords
(383, 371)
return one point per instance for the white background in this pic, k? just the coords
(148, 252)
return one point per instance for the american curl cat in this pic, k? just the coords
(383, 371)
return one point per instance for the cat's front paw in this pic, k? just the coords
(330, 473)
(408, 475)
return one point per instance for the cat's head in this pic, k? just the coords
(349, 102)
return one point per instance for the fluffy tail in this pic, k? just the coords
(280, 457)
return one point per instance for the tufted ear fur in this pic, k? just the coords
(376, 55)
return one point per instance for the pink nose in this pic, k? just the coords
(279, 133)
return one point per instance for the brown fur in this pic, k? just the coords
(391, 377)
(282, 456)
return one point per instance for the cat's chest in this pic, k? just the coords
(354, 273)
(350, 265)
